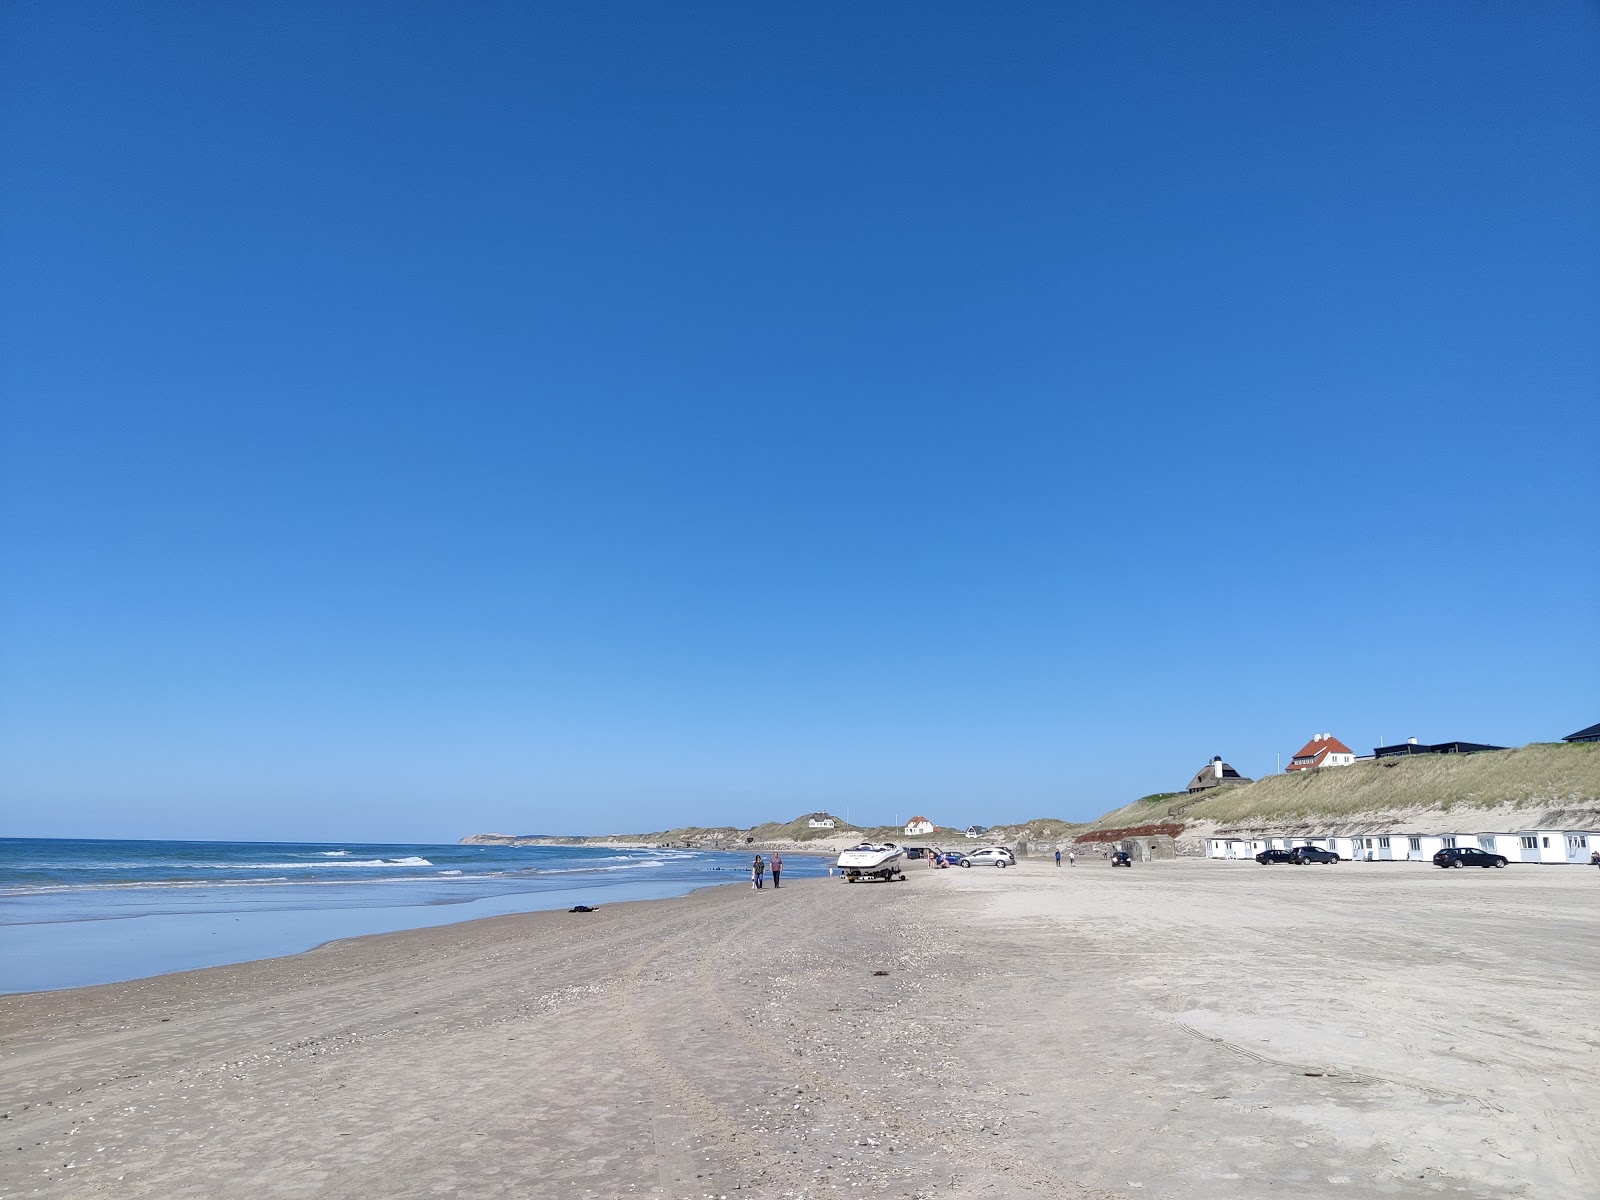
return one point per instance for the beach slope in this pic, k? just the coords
(1184, 1029)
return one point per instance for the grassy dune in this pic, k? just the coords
(798, 830)
(1542, 776)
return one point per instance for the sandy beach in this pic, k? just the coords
(1184, 1029)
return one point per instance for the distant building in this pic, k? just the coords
(1412, 746)
(1214, 774)
(1572, 847)
(1591, 734)
(918, 825)
(1323, 750)
(977, 831)
(820, 821)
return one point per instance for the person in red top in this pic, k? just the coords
(776, 863)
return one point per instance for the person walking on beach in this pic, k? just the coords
(757, 872)
(1072, 858)
(1058, 857)
(777, 868)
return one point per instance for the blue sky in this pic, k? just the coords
(422, 419)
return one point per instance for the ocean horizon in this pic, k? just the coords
(78, 912)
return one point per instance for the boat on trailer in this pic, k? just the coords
(873, 860)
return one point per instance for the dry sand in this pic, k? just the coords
(1185, 1029)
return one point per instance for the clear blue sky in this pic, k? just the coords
(425, 419)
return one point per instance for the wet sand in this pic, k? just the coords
(1185, 1029)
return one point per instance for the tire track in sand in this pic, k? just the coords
(976, 1158)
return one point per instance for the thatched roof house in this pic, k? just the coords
(1215, 773)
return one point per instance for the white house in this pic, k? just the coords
(1323, 750)
(918, 825)
(820, 821)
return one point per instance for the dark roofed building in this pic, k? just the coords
(1412, 746)
(1214, 774)
(1591, 734)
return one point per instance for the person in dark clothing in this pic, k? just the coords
(777, 868)
(758, 870)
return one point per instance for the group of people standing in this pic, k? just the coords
(758, 870)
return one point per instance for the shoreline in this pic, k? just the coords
(59, 935)
(1039, 1031)
(445, 919)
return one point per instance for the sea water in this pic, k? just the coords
(83, 912)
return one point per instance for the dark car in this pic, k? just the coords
(1122, 858)
(1467, 856)
(1267, 857)
(954, 858)
(916, 851)
(1301, 855)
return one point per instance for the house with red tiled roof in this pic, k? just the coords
(918, 825)
(1323, 750)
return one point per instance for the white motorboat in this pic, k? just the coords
(872, 860)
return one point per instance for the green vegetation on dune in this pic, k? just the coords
(1543, 775)
(1040, 828)
(1149, 810)
(798, 830)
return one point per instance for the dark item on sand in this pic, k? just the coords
(1468, 856)
(582, 908)
(1122, 859)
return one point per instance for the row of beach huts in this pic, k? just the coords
(1569, 846)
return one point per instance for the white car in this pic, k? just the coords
(986, 856)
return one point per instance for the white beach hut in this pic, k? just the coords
(1229, 847)
(1556, 845)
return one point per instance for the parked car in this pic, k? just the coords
(1268, 857)
(984, 856)
(1467, 856)
(953, 858)
(1121, 858)
(1301, 855)
(916, 851)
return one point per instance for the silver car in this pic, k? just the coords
(986, 856)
